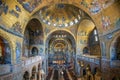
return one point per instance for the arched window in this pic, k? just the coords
(85, 50)
(95, 35)
(34, 51)
(93, 43)
(26, 76)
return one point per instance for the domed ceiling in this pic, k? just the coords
(60, 15)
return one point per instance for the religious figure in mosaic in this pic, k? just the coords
(106, 22)
(95, 7)
(3, 7)
(29, 5)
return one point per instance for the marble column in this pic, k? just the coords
(39, 75)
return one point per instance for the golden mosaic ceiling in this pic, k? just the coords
(60, 15)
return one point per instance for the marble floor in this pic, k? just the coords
(60, 74)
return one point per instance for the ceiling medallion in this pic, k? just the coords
(60, 15)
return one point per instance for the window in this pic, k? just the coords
(96, 38)
(34, 51)
(95, 34)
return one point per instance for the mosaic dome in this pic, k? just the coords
(60, 15)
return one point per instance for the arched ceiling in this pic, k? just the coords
(20, 12)
(60, 36)
(59, 45)
(60, 15)
(35, 28)
(34, 24)
(92, 6)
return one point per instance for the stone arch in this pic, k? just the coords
(85, 50)
(26, 75)
(34, 51)
(33, 35)
(33, 73)
(83, 34)
(88, 67)
(55, 30)
(75, 3)
(65, 42)
(52, 31)
(113, 55)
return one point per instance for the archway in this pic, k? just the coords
(93, 43)
(87, 38)
(85, 50)
(26, 75)
(5, 52)
(34, 75)
(33, 37)
(34, 51)
(114, 49)
(61, 45)
(60, 42)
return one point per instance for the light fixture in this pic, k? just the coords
(49, 23)
(54, 24)
(71, 23)
(76, 20)
(66, 24)
(44, 21)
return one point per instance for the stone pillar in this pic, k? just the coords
(42, 77)
(39, 75)
(98, 75)
(25, 77)
(89, 75)
(47, 64)
(34, 76)
(76, 65)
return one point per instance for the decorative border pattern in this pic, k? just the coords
(9, 31)
(111, 32)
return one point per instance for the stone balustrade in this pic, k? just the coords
(7, 77)
(92, 59)
(5, 69)
(9, 72)
(115, 63)
(31, 60)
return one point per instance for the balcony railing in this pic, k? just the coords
(5, 69)
(93, 59)
(115, 63)
(31, 60)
